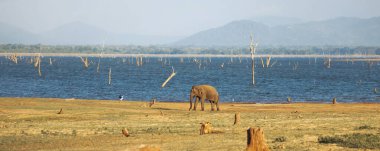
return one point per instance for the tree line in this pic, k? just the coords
(163, 49)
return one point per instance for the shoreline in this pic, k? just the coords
(186, 101)
(187, 55)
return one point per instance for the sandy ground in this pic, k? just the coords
(33, 124)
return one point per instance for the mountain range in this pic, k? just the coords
(78, 33)
(343, 31)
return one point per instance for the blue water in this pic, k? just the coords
(302, 79)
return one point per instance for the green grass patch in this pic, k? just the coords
(356, 140)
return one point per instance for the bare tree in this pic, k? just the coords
(252, 47)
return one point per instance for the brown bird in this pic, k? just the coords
(60, 112)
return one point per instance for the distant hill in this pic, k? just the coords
(338, 31)
(276, 20)
(78, 33)
(11, 34)
(74, 33)
(272, 32)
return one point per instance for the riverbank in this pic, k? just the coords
(33, 124)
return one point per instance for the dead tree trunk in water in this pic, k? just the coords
(109, 76)
(170, 77)
(252, 48)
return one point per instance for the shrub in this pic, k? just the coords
(330, 139)
(365, 127)
(280, 139)
(356, 140)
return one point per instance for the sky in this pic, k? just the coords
(171, 17)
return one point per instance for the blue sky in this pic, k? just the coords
(171, 17)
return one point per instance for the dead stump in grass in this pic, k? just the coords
(256, 140)
(125, 132)
(206, 128)
(237, 119)
(60, 111)
(334, 101)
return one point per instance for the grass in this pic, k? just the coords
(355, 140)
(33, 124)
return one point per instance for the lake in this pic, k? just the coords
(302, 79)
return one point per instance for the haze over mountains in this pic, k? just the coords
(341, 31)
(78, 33)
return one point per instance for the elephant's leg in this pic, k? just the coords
(217, 106)
(196, 103)
(191, 103)
(217, 103)
(212, 105)
(203, 103)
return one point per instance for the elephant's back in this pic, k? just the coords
(209, 87)
(212, 92)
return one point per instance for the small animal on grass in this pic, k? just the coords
(204, 92)
(206, 128)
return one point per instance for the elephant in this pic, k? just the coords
(202, 92)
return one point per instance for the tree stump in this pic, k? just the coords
(237, 118)
(125, 132)
(256, 140)
(334, 101)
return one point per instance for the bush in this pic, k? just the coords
(365, 127)
(330, 139)
(356, 140)
(280, 139)
(362, 141)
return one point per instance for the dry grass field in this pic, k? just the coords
(33, 124)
